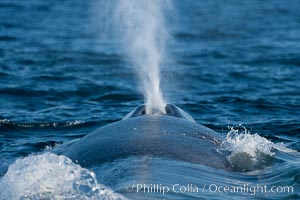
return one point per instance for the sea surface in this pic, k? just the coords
(234, 66)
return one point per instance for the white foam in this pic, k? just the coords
(49, 176)
(249, 151)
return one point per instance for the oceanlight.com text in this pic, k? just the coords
(247, 189)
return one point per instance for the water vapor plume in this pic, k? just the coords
(141, 26)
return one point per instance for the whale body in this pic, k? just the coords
(173, 135)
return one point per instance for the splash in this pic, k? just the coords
(249, 151)
(49, 176)
(142, 28)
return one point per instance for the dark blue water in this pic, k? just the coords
(230, 62)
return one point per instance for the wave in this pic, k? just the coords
(7, 124)
(246, 151)
(49, 176)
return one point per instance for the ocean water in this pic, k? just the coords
(234, 66)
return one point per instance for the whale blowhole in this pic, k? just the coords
(169, 109)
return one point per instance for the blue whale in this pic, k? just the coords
(173, 135)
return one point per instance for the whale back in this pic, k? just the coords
(148, 135)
